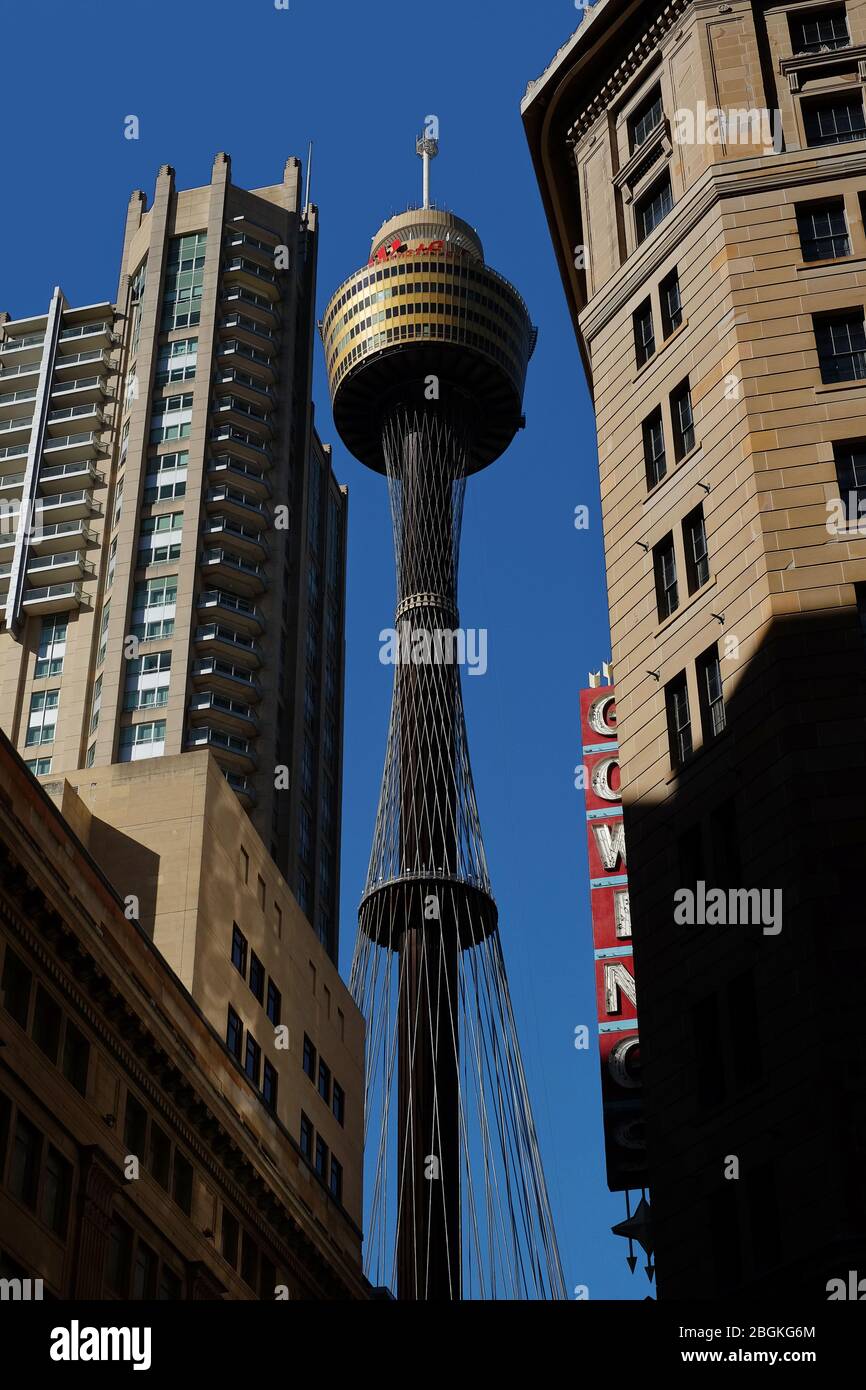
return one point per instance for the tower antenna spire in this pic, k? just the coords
(426, 148)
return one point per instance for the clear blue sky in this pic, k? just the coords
(241, 76)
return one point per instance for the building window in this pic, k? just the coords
(249, 1260)
(306, 1137)
(654, 448)
(40, 767)
(52, 648)
(25, 1162)
(647, 118)
(644, 333)
(119, 1261)
(697, 554)
(160, 539)
(76, 1058)
(16, 986)
(671, 302)
(253, 1062)
(665, 569)
(257, 977)
(712, 697)
(321, 1161)
(134, 1127)
(144, 1272)
(184, 279)
(139, 741)
(841, 342)
(47, 1020)
(234, 1034)
(336, 1183)
(166, 477)
(727, 860)
(147, 681)
(153, 608)
(823, 230)
(851, 474)
(182, 1183)
(338, 1103)
(177, 361)
(679, 722)
(820, 33)
(261, 892)
(239, 950)
(324, 1081)
(309, 1058)
(170, 1286)
(683, 420)
(269, 1086)
(96, 704)
(834, 120)
(653, 207)
(275, 1002)
(304, 834)
(690, 854)
(56, 1191)
(230, 1236)
(42, 721)
(159, 1156)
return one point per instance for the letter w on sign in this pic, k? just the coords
(610, 846)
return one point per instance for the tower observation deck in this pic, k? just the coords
(427, 350)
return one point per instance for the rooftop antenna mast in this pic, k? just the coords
(427, 149)
(309, 176)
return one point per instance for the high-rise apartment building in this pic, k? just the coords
(175, 561)
(703, 170)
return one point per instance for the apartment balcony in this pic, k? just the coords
(66, 447)
(222, 712)
(65, 506)
(28, 348)
(78, 390)
(234, 472)
(53, 598)
(11, 485)
(249, 332)
(235, 352)
(87, 336)
(15, 403)
(257, 306)
(54, 477)
(246, 387)
(233, 751)
(234, 410)
(238, 505)
(241, 786)
(88, 415)
(244, 539)
(246, 243)
(227, 643)
(243, 444)
(221, 567)
(243, 270)
(16, 429)
(60, 535)
(59, 568)
(16, 377)
(239, 612)
(96, 359)
(227, 678)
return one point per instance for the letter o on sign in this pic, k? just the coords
(602, 715)
(601, 780)
(623, 1062)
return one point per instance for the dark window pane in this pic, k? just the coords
(851, 475)
(321, 1156)
(249, 1261)
(239, 950)
(56, 1191)
(183, 1183)
(170, 1285)
(76, 1058)
(230, 1232)
(339, 1102)
(665, 568)
(841, 342)
(17, 980)
(336, 1183)
(306, 1137)
(252, 1064)
(690, 848)
(713, 716)
(679, 721)
(709, 1061)
(267, 1278)
(144, 1272)
(654, 207)
(647, 118)
(257, 977)
(324, 1081)
(818, 33)
(727, 861)
(683, 421)
(672, 304)
(654, 449)
(135, 1127)
(309, 1058)
(159, 1157)
(269, 1086)
(25, 1161)
(644, 335)
(697, 556)
(119, 1257)
(824, 231)
(834, 121)
(46, 1024)
(234, 1034)
(275, 1003)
